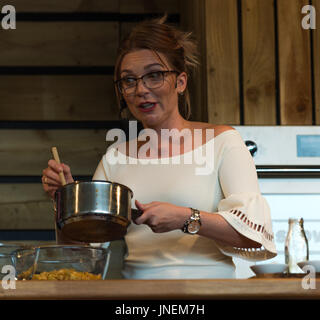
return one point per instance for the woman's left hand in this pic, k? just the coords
(162, 216)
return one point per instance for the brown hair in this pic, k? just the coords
(177, 46)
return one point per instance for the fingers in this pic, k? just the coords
(48, 180)
(142, 218)
(161, 216)
(55, 166)
(139, 205)
(49, 188)
(145, 206)
(52, 173)
(67, 173)
(147, 209)
(51, 180)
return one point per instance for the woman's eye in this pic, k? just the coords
(154, 75)
(128, 81)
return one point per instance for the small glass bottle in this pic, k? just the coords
(296, 247)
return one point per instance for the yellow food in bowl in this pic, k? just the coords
(66, 274)
(25, 274)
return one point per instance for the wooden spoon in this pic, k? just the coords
(56, 157)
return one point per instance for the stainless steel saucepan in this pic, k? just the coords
(94, 211)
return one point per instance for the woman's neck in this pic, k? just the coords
(177, 123)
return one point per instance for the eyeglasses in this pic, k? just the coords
(152, 80)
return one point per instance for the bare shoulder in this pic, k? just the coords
(218, 129)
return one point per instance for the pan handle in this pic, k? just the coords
(136, 213)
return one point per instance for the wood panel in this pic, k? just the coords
(222, 62)
(316, 59)
(149, 6)
(25, 206)
(122, 6)
(65, 6)
(125, 29)
(26, 152)
(57, 98)
(193, 20)
(60, 44)
(294, 64)
(258, 62)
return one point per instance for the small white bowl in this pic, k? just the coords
(314, 263)
(269, 268)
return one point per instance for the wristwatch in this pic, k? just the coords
(193, 224)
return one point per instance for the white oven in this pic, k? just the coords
(287, 159)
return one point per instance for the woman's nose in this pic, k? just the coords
(141, 87)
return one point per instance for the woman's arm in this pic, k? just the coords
(217, 228)
(164, 217)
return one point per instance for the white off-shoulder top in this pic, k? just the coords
(230, 190)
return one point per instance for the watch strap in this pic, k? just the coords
(195, 216)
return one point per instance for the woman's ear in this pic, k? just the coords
(181, 83)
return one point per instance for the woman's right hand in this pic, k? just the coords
(51, 179)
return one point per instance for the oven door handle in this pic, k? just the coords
(288, 171)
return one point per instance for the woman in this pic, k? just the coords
(191, 224)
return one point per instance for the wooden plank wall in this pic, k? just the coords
(222, 62)
(262, 67)
(259, 95)
(192, 16)
(294, 65)
(316, 61)
(56, 88)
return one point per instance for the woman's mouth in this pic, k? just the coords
(147, 106)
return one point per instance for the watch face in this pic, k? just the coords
(193, 226)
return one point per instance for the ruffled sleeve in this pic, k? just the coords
(243, 206)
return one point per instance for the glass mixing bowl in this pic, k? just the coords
(61, 262)
(6, 258)
(23, 261)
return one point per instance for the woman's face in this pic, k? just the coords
(153, 107)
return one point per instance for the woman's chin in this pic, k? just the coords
(150, 120)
